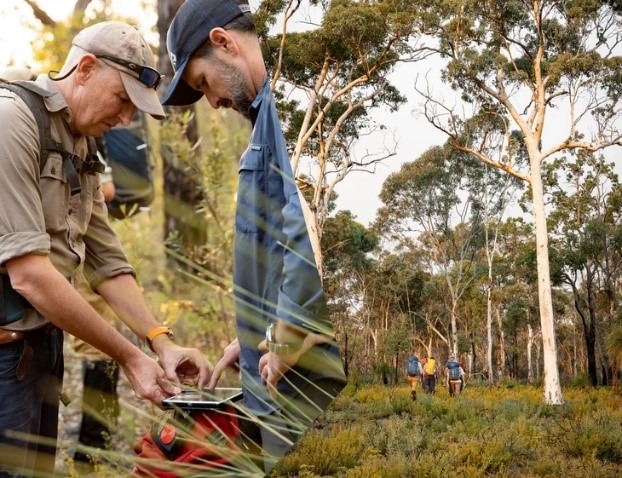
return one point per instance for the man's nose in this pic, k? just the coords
(126, 114)
(213, 99)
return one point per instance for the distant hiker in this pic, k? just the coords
(429, 375)
(454, 374)
(413, 374)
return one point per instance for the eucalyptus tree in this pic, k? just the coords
(586, 224)
(492, 193)
(346, 246)
(53, 43)
(330, 78)
(394, 295)
(426, 201)
(516, 293)
(614, 348)
(523, 62)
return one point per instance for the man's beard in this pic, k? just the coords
(238, 93)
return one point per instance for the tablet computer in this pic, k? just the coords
(203, 399)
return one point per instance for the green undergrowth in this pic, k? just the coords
(378, 431)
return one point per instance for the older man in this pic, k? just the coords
(53, 226)
(216, 53)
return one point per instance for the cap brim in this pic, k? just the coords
(145, 99)
(180, 93)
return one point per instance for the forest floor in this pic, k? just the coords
(506, 431)
(377, 431)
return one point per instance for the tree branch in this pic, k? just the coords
(40, 14)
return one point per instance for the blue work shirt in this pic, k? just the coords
(275, 275)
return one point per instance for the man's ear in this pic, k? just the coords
(86, 68)
(221, 38)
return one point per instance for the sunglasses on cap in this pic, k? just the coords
(146, 75)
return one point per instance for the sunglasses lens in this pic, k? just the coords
(150, 78)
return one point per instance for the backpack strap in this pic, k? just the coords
(34, 97)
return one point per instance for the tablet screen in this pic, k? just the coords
(203, 399)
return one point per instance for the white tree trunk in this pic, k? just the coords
(313, 233)
(552, 386)
(501, 361)
(529, 353)
(489, 332)
(454, 329)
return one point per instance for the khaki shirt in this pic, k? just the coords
(38, 215)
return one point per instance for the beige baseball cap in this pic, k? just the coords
(123, 47)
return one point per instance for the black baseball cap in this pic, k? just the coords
(189, 29)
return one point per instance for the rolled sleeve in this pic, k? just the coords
(21, 243)
(99, 275)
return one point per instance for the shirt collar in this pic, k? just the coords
(56, 101)
(256, 105)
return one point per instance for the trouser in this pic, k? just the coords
(451, 381)
(412, 381)
(100, 406)
(429, 383)
(31, 374)
(280, 430)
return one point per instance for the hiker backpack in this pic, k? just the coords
(73, 166)
(413, 367)
(125, 150)
(197, 443)
(127, 154)
(453, 368)
(430, 367)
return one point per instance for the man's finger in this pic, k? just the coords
(167, 388)
(205, 374)
(271, 384)
(216, 373)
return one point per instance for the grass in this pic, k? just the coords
(377, 431)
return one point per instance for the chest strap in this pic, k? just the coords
(73, 166)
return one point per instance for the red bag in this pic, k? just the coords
(185, 444)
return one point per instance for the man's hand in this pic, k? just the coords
(148, 379)
(272, 367)
(182, 365)
(230, 358)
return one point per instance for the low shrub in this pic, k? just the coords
(498, 431)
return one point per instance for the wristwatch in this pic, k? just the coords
(277, 348)
(153, 333)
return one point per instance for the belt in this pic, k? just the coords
(8, 336)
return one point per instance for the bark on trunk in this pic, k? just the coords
(552, 386)
(529, 353)
(501, 360)
(588, 320)
(489, 331)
